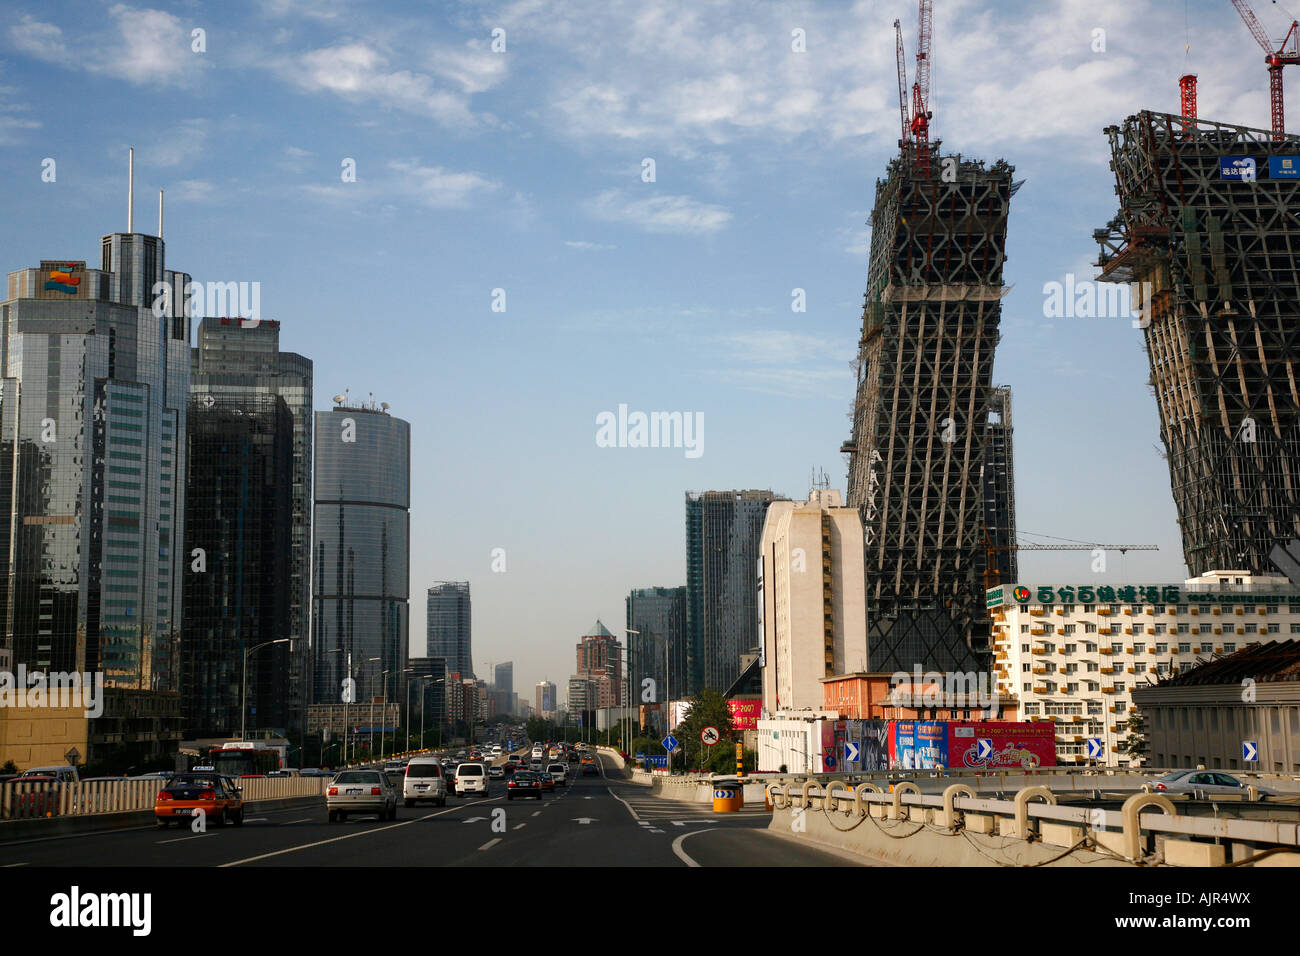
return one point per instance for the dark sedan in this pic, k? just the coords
(524, 783)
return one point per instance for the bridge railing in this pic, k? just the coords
(25, 801)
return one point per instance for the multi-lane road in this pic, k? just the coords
(594, 821)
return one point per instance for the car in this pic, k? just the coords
(559, 771)
(573, 756)
(525, 783)
(1208, 782)
(64, 773)
(360, 791)
(425, 779)
(284, 772)
(548, 782)
(471, 778)
(497, 772)
(589, 770)
(214, 796)
(535, 765)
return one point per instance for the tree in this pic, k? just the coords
(708, 708)
(1135, 745)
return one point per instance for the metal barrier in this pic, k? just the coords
(26, 801)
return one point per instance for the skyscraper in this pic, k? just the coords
(920, 417)
(236, 365)
(92, 480)
(238, 517)
(723, 529)
(545, 701)
(447, 625)
(1211, 252)
(999, 481)
(504, 677)
(658, 650)
(600, 661)
(361, 550)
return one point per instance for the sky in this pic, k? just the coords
(561, 208)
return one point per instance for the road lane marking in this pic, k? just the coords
(9, 865)
(490, 843)
(677, 846)
(303, 820)
(625, 803)
(258, 819)
(349, 836)
(180, 839)
(537, 813)
(520, 826)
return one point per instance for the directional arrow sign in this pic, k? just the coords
(585, 820)
(1095, 747)
(851, 752)
(985, 747)
(1249, 750)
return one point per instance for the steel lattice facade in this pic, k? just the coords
(921, 414)
(1215, 260)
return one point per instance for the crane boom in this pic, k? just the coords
(1253, 25)
(902, 76)
(1287, 53)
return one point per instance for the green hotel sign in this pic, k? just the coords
(1128, 594)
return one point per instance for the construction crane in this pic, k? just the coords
(916, 129)
(1287, 54)
(992, 576)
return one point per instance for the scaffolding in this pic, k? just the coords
(921, 432)
(1212, 254)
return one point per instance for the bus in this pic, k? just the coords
(241, 758)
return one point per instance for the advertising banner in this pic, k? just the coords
(745, 713)
(902, 745)
(931, 744)
(1284, 167)
(991, 744)
(1237, 167)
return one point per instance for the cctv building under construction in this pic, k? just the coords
(1208, 229)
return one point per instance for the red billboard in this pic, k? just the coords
(745, 713)
(997, 745)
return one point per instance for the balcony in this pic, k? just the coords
(1040, 690)
(1216, 610)
(1151, 630)
(1103, 611)
(1040, 670)
(1105, 630)
(1113, 709)
(1129, 630)
(1171, 609)
(1108, 670)
(1106, 650)
(1128, 611)
(1262, 611)
(1132, 670)
(1218, 630)
(1129, 649)
(1107, 689)
(1194, 610)
(1218, 649)
(1238, 611)
(1241, 630)
(1035, 612)
(1039, 650)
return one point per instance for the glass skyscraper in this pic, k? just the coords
(658, 651)
(361, 552)
(447, 627)
(237, 364)
(92, 479)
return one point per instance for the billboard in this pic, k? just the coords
(1011, 745)
(931, 744)
(902, 745)
(745, 713)
(1284, 167)
(1237, 167)
(870, 740)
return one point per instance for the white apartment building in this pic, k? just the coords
(1072, 654)
(812, 599)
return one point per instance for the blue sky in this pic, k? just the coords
(522, 170)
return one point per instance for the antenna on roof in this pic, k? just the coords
(160, 204)
(130, 189)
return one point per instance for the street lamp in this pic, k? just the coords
(627, 676)
(371, 689)
(243, 694)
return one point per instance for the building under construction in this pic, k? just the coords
(920, 449)
(1208, 232)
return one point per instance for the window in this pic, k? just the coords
(1121, 726)
(1295, 628)
(1140, 648)
(1162, 648)
(1160, 628)
(1229, 648)
(1094, 708)
(1248, 608)
(1120, 707)
(1272, 628)
(1067, 629)
(1031, 708)
(1069, 649)
(1182, 609)
(1117, 647)
(1093, 667)
(1183, 628)
(1184, 647)
(1067, 608)
(1090, 628)
(1024, 629)
(1114, 609)
(1023, 667)
(1089, 608)
(1024, 648)
(1090, 647)
(1207, 647)
(1027, 687)
(1272, 609)
(1072, 688)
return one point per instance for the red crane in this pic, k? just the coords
(1287, 54)
(916, 130)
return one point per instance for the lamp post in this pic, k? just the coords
(243, 694)
(370, 688)
(627, 675)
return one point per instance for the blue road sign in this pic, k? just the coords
(1249, 750)
(851, 753)
(670, 743)
(1095, 747)
(829, 761)
(985, 747)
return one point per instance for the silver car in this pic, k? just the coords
(1208, 782)
(361, 791)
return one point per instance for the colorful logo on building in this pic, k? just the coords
(1021, 594)
(62, 280)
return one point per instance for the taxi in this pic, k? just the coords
(202, 791)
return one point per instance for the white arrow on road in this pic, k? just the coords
(585, 820)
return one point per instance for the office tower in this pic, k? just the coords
(583, 700)
(920, 417)
(447, 625)
(811, 589)
(92, 481)
(239, 516)
(999, 485)
(658, 651)
(1206, 234)
(722, 534)
(600, 661)
(237, 359)
(426, 693)
(545, 699)
(361, 550)
(503, 677)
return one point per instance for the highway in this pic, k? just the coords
(594, 821)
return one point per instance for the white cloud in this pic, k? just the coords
(471, 67)
(178, 145)
(142, 46)
(192, 190)
(587, 246)
(674, 214)
(41, 40)
(439, 187)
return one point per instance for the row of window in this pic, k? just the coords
(1140, 647)
(1151, 609)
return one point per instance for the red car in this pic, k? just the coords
(548, 782)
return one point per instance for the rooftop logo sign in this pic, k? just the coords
(63, 280)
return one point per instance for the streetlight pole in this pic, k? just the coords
(243, 694)
(627, 676)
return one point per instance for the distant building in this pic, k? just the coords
(1204, 717)
(503, 678)
(657, 651)
(362, 553)
(1076, 653)
(723, 529)
(427, 682)
(447, 626)
(545, 699)
(813, 615)
(600, 661)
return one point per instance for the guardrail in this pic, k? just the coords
(27, 801)
(1045, 830)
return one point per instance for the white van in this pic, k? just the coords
(424, 780)
(64, 773)
(471, 778)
